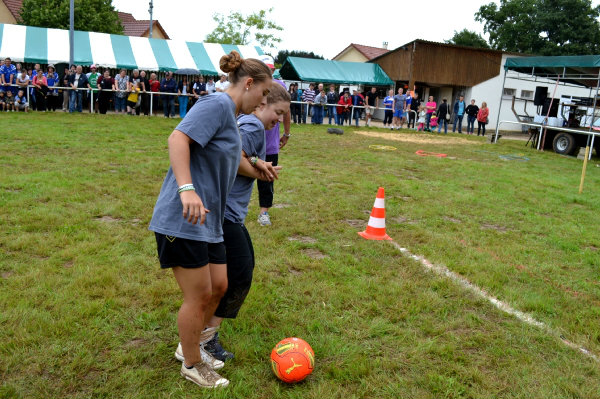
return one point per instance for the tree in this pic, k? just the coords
(90, 15)
(468, 38)
(283, 54)
(542, 27)
(237, 28)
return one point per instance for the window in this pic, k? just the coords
(509, 92)
(527, 94)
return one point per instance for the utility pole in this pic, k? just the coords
(71, 32)
(150, 11)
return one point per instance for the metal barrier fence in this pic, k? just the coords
(352, 114)
(154, 93)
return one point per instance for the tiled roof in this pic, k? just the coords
(14, 6)
(131, 26)
(368, 51)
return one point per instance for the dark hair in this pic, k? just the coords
(239, 68)
(277, 93)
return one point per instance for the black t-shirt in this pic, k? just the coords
(472, 110)
(105, 84)
(144, 84)
(371, 98)
(415, 104)
(135, 80)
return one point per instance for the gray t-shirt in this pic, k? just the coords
(399, 101)
(214, 160)
(253, 144)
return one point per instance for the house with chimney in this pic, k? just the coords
(10, 10)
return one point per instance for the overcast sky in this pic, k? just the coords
(325, 27)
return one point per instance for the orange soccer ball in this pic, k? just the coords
(292, 360)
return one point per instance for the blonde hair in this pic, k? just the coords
(239, 68)
(278, 93)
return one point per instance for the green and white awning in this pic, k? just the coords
(51, 46)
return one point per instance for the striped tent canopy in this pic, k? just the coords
(51, 46)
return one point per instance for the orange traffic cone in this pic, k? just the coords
(376, 226)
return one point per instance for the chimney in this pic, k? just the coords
(385, 45)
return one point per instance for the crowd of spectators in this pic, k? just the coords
(36, 89)
(400, 109)
(24, 89)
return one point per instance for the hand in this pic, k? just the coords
(193, 208)
(283, 141)
(265, 177)
(268, 169)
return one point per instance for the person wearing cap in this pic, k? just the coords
(93, 81)
(274, 144)
(210, 85)
(53, 81)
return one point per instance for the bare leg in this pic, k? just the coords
(197, 292)
(218, 276)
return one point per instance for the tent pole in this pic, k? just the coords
(71, 33)
(595, 98)
(543, 138)
(151, 102)
(500, 106)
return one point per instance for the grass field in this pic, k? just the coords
(85, 310)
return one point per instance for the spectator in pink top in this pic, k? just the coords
(41, 90)
(430, 106)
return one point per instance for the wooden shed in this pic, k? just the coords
(427, 67)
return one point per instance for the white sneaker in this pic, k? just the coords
(264, 219)
(207, 358)
(203, 376)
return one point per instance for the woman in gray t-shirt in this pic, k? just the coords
(204, 150)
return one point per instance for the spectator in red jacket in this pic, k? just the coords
(482, 118)
(344, 108)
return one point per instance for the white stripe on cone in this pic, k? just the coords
(378, 223)
(379, 203)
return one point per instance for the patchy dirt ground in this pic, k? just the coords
(417, 138)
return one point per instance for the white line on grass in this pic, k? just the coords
(463, 282)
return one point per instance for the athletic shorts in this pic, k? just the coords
(189, 254)
(370, 110)
(398, 113)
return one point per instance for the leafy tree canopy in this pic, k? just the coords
(542, 27)
(468, 38)
(90, 15)
(236, 28)
(283, 54)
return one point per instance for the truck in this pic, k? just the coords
(563, 123)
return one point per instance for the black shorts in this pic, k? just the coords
(189, 254)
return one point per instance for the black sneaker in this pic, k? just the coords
(216, 350)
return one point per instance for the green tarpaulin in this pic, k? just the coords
(325, 71)
(582, 70)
